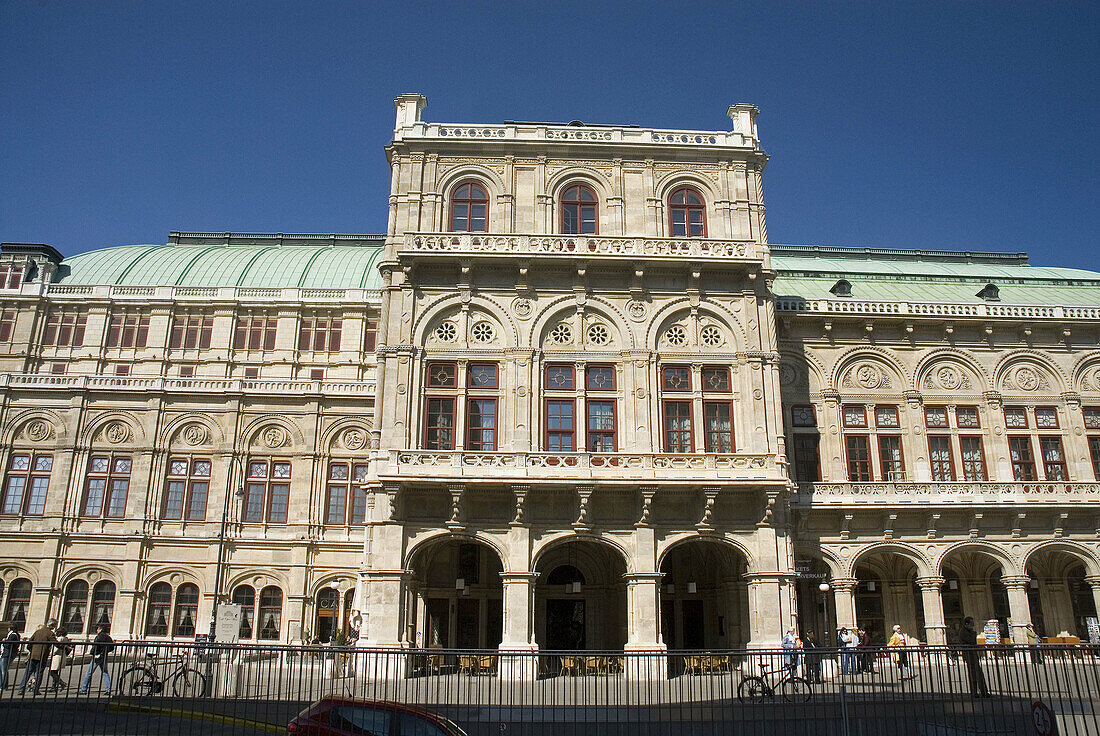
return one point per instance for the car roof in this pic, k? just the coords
(387, 704)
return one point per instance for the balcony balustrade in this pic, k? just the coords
(924, 494)
(574, 246)
(138, 384)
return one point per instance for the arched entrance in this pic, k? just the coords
(704, 597)
(973, 587)
(816, 613)
(456, 596)
(886, 595)
(1060, 599)
(580, 597)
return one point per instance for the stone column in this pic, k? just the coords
(1019, 610)
(518, 650)
(767, 621)
(935, 628)
(643, 603)
(844, 601)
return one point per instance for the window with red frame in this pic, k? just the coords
(481, 424)
(191, 331)
(1092, 425)
(687, 213)
(807, 466)
(127, 331)
(599, 377)
(11, 277)
(716, 380)
(442, 375)
(859, 458)
(889, 456)
(186, 488)
(26, 484)
(973, 458)
(106, 486)
(560, 425)
(1023, 462)
(966, 417)
(267, 491)
(320, 334)
(255, 333)
(939, 455)
(1054, 460)
(676, 378)
(559, 377)
(469, 208)
(601, 425)
(717, 416)
(345, 494)
(64, 329)
(439, 423)
(370, 339)
(677, 424)
(579, 211)
(7, 324)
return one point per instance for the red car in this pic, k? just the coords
(347, 717)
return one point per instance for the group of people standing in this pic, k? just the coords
(48, 650)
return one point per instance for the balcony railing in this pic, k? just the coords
(581, 246)
(841, 307)
(204, 294)
(923, 493)
(130, 384)
(580, 465)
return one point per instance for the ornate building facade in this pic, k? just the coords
(571, 399)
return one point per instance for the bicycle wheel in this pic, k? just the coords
(796, 690)
(189, 683)
(138, 680)
(752, 689)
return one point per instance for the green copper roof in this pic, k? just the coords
(308, 262)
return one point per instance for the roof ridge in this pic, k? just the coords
(1019, 258)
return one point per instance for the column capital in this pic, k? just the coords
(932, 582)
(1018, 582)
(1093, 581)
(518, 577)
(643, 577)
(846, 585)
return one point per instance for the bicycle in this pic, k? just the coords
(794, 689)
(142, 679)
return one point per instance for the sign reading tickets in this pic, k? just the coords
(227, 626)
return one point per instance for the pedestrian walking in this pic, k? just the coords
(9, 650)
(102, 645)
(898, 642)
(41, 642)
(790, 650)
(1033, 644)
(61, 651)
(971, 655)
(813, 657)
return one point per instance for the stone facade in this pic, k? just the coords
(572, 399)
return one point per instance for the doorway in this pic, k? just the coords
(565, 624)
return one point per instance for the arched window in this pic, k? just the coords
(245, 595)
(19, 599)
(187, 610)
(579, 210)
(469, 208)
(75, 606)
(687, 213)
(564, 575)
(328, 602)
(271, 612)
(103, 606)
(156, 616)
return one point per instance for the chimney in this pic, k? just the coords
(744, 120)
(408, 107)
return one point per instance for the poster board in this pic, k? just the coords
(227, 626)
(1094, 629)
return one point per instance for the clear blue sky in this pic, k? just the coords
(935, 125)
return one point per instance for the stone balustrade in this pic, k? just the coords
(812, 495)
(137, 384)
(586, 246)
(201, 294)
(841, 307)
(591, 134)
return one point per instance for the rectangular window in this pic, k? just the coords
(439, 424)
(889, 456)
(481, 375)
(191, 331)
(935, 416)
(345, 492)
(187, 371)
(966, 417)
(886, 416)
(442, 375)
(1023, 464)
(122, 370)
(599, 378)
(719, 422)
(11, 277)
(187, 487)
(1094, 451)
(320, 334)
(481, 424)
(1046, 417)
(7, 324)
(676, 378)
(267, 492)
(939, 455)
(716, 379)
(255, 333)
(57, 369)
(127, 331)
(803, 416)
(855, 416)
(1092, 418)
(370, 335)
(65, 329)
(1054, 460)
(859, 458)
(559, 377)
(251, 373)
(1016, 417)
(973, 458)
(601, 426)
(559, 425)
(316, 374)
(807, 467)
(106, 486)
(26, 484)
(678, 426)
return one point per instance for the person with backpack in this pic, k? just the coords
(9, 650)
(41, 642)
(102, 645)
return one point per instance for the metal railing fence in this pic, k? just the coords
(164, 689)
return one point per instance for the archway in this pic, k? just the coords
(1059, 597)
(456, 596)
(816, 612)
(704, 597)
(580, 597)
(887, 594)
(974, 587)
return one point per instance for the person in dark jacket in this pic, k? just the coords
(813, 657)
(9, 650)
(971, 655)
(102, 645)
(41, 642)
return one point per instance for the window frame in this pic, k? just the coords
(708, 446)
(966, 465)
(191, 332)
(29, 476)
(868, 460)
(469, 428)
(899, 473)
(934, 464)
(267, 484)
(109, 478)
(549, 431)
(259, 328)
(1025, 443)
(428, 427)
(687, 209)
(64, 328)
(666, 445)
(469, 201)
(590, 433)
(802, 462)
(329, 328)
(189, 481)
(579, 203)
(127, 328)
(354, 502)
